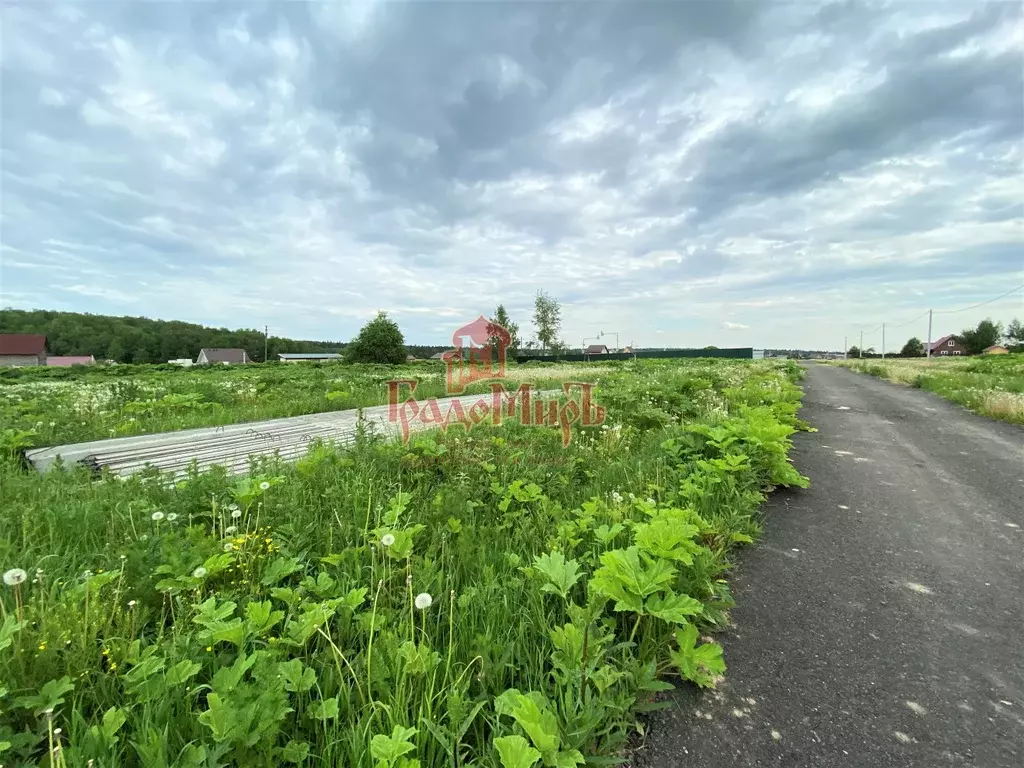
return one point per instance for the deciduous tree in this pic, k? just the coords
(379, 341)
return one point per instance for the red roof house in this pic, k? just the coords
(18, 349)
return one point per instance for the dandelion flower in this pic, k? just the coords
(198, 573)
(231, 529)
(236, 513)
(172, 517)
(423, 600)
(264, 485)
(131, 603)
(157, 516)
(387, 540)
(229, 547)
(233, 507)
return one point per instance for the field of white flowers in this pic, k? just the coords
(992, 385)
(482, 599)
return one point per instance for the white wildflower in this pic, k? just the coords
(233, 507)
(131, 603)
(423, 600)
(229, 547)
(199, 572)
(235, 514)
(172, 517)
(616, 497)
(231, 529)
(264, 485)
(157, 516)
(387, 539)
(14, 577)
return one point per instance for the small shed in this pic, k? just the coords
(995, 349)
(65, 361)
(310, 357)
(211, 355)
(22, 349)
(596, 349)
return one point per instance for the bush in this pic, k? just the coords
(379, 341)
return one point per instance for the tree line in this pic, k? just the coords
(144, 340)
(974, 340)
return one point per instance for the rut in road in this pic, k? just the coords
(880, 621)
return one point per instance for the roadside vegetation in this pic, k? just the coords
(991, 385)
(486, 599)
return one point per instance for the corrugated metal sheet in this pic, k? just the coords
(227, 446)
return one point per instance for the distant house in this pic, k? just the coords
(314, 357)
(21, 349)
(411, 358)
(66, 361)
(596, 349)
(948, 346)
(438, 356)
(995, 349)
(223, 356)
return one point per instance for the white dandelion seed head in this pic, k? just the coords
(233, 507)
(14, 577)
(172, 517)
(423, 601)
(229, 547)
(236, 513)
(131, 603)
(387, 539)
(199, 572)
(157, 516)
(231, 529)
(264, 485)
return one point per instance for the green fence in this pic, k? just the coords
(744, 353)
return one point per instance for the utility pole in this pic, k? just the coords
(846, 349)
(883, 341)
(265, 329)
(928, 349)
(860, 350)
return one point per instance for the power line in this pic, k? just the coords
(982, 304)
(923, 314)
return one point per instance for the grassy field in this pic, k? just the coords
(54, 406)
(991, 385)
(489, 599)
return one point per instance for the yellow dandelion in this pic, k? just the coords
(209, 648)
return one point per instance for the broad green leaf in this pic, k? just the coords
(701, 664)
(391, 748)
(226, 678)
(181, 672)
(674, 608)
(561, 574)
(569, 759)
(113, 719)
(298, 678)
(8, 629)
(668, 538)
(281, 568)
(628, 578)
(260, 617)
(324, 709)
(516, 752)
(295, 751)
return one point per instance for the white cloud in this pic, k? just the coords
(735, 326)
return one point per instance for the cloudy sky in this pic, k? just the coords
(681, 173)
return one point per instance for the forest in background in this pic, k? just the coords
(143, 340)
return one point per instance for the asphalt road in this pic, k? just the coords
(880, 621)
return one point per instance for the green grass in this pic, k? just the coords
(56, 406)
(991, 385)
(280, 618)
